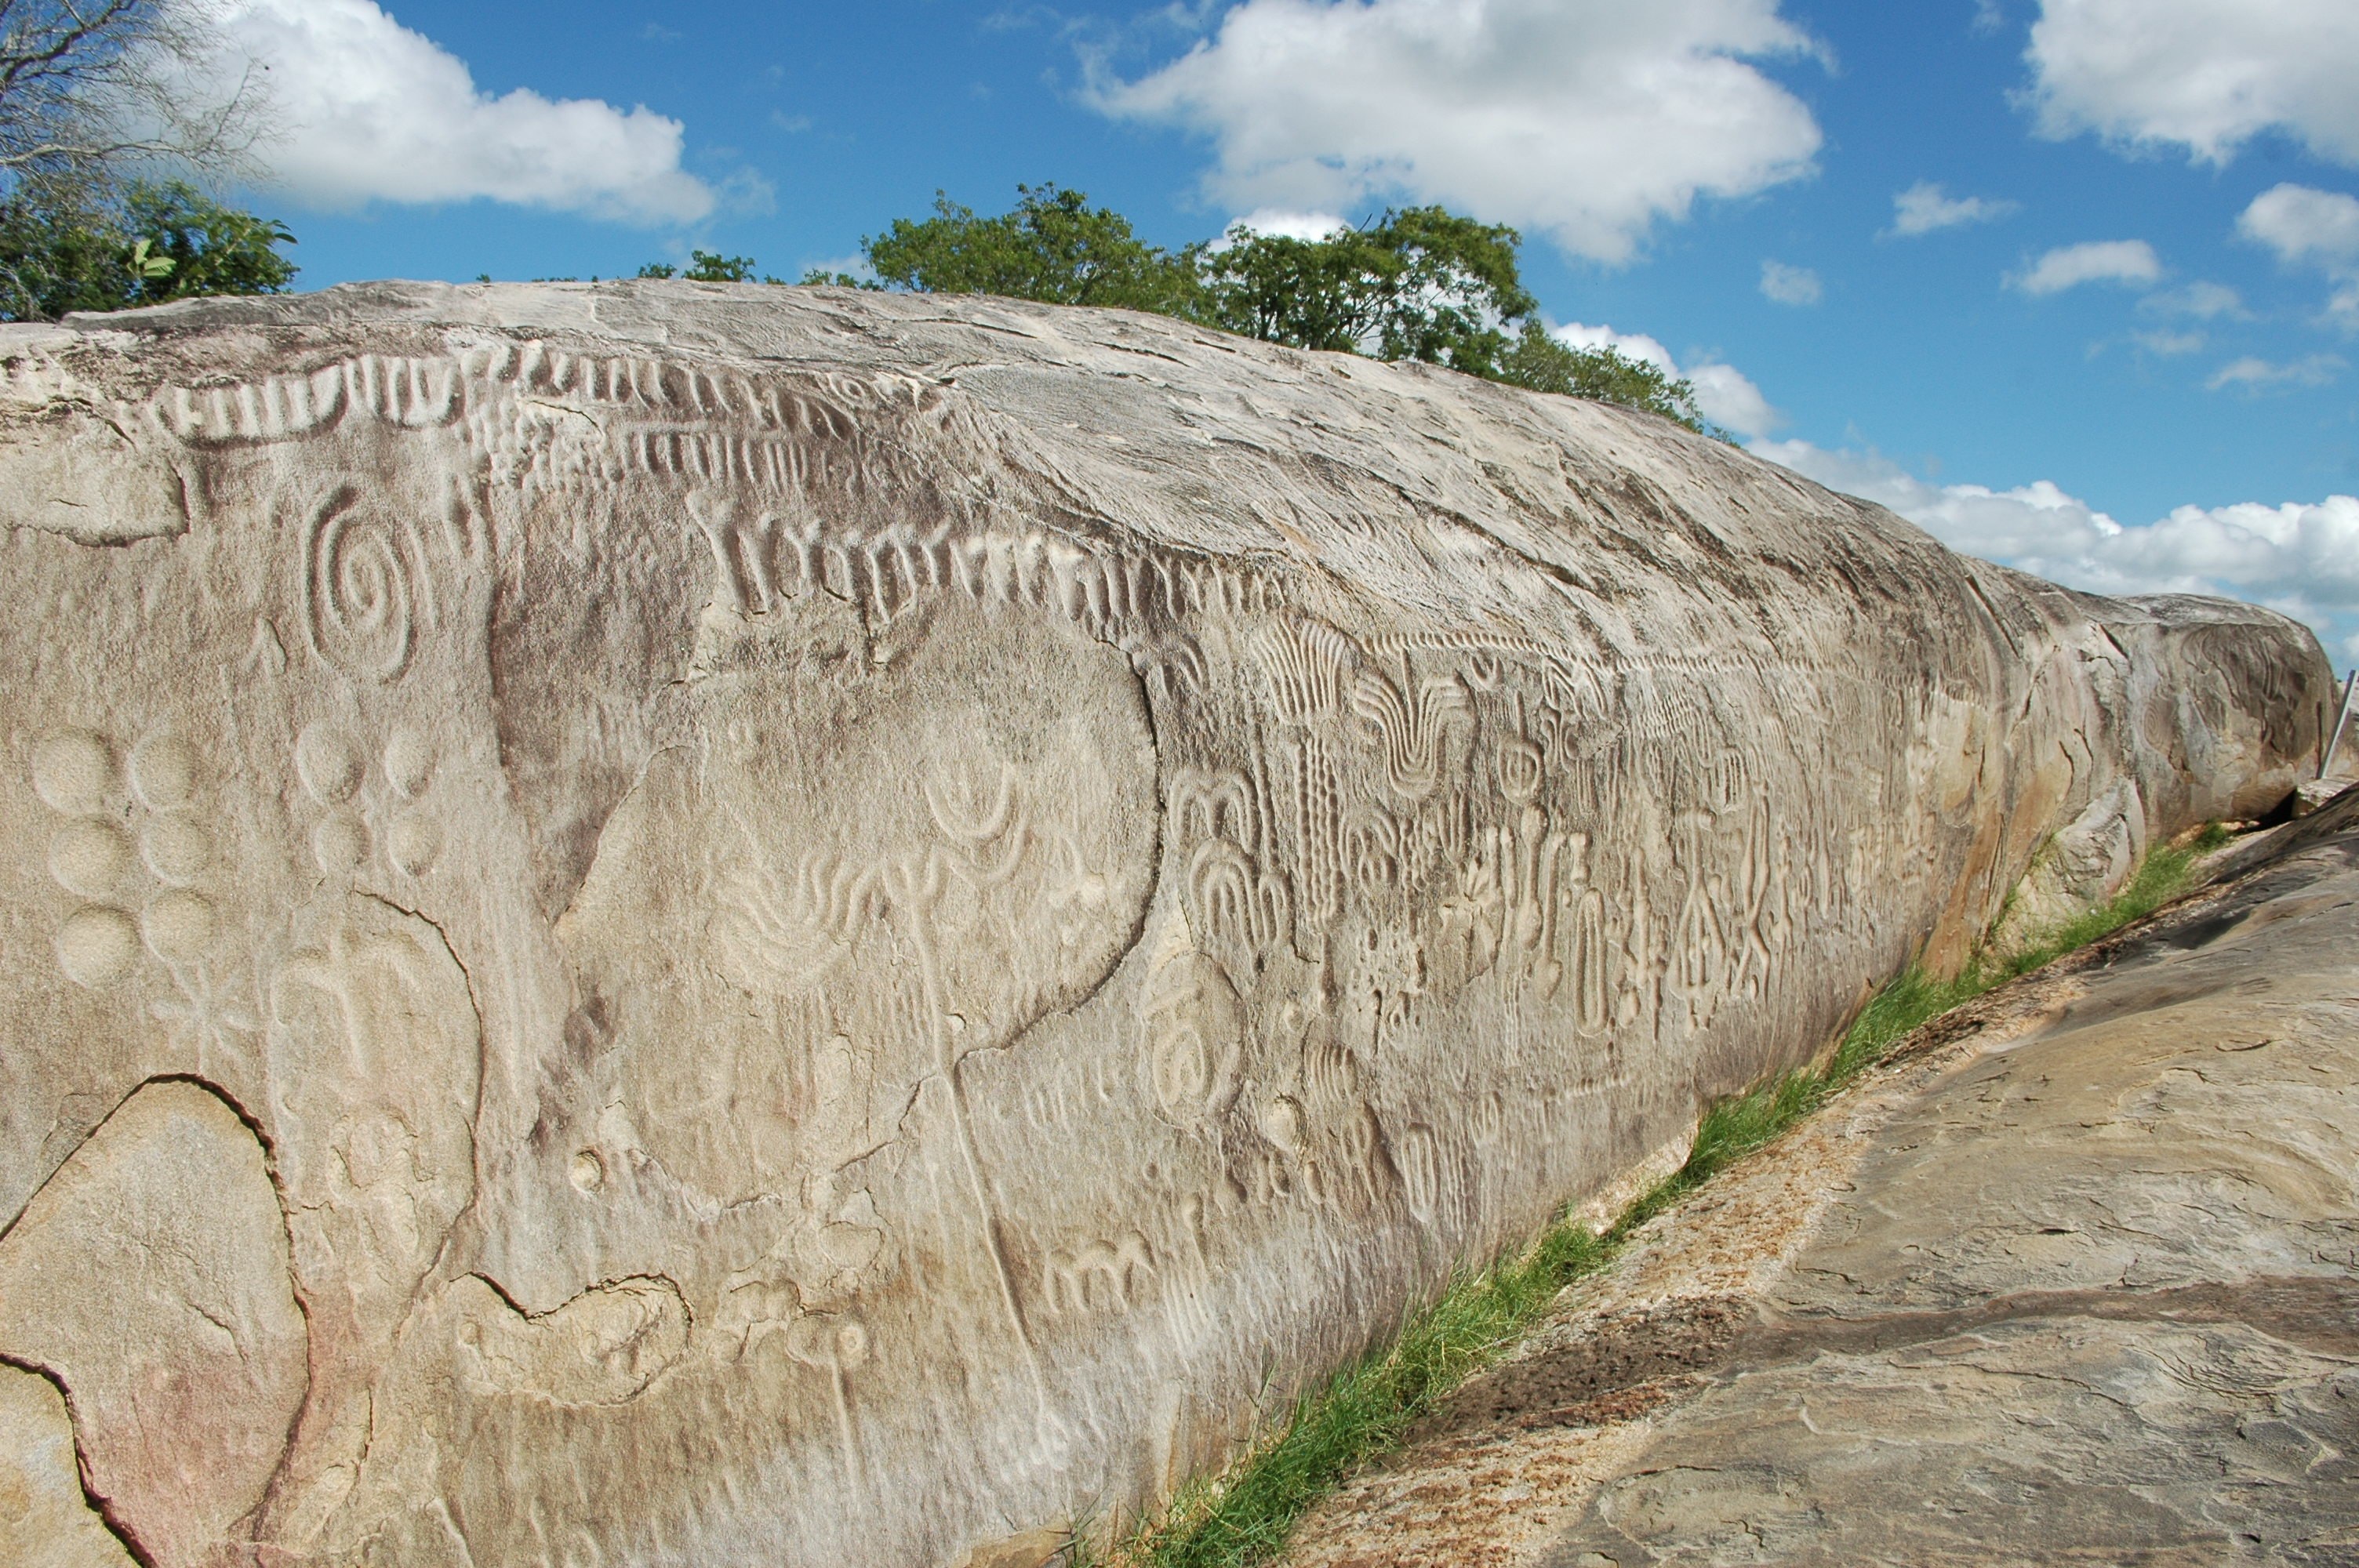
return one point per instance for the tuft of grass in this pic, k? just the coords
(1242, 1517)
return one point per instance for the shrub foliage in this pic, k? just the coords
(1417, 282)
(157, 243)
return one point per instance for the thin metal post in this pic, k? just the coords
(2341, 722)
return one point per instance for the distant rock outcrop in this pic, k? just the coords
(694, 925)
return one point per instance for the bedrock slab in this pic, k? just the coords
(2077, 1282)
(691, 925)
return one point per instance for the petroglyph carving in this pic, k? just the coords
(1699, 941)
(1213, 804)
(121, 821)
(602, 1348)
(1529, 859)
(1239, 910)
(836, 1346)
(373, 1067)
(1318, 830)
(1756, 907)
(1097, 1276)
(89, 856)
(369, 809)
(1195, 1036)
(778, 929)
(1423, 1172)
(1308, 666)
(399, 391)
(374, 581)
(854, 923)
(1414, 735)
(97, 947)
(1586, 954)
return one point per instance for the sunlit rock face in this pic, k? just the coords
(657, 924)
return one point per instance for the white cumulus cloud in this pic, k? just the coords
(2205, 75)
(1925, 207)
(2302, 225)
(1589, 120)
(1723, 394)
(2200, 300)
(1727, 396)
(2256, 375)
(374, 111)
(2317, 226)
(2300, 557)
(1791, 285)
(2168, 342)
(2098, 261)
(1277, 222)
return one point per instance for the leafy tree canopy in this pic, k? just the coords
(706, 267)
(99, 100)
(1053, 247)
(1418, 283)
(710, 266)
(158, 243)
(1545, 365)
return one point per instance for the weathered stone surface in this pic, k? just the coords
(45, 1520)
(149, 1276)
(857, 926)
(2080, 1284)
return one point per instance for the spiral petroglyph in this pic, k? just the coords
(363, 587)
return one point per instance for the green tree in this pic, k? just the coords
(1053, 247)
(158, 242)
(1543, 363)
(192, 244)
(703, 267)
(1420, 282)
(99, 100)
(710, 266)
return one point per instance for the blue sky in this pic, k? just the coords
(2115, 345)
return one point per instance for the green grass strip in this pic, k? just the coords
(1242, 1517)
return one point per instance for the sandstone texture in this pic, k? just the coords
(675, 924)
(2075, 1281)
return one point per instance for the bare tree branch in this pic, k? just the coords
(92, 90)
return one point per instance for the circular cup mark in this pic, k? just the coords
(97, 947)
(339, 844)
(164, 773)
(89, 856)
(329, 766)
(589, 1172)
(175, 849)
(178, 925)
(74, 773)
(409, 763)
(413, 843)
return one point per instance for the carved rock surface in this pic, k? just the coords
(859, 925)
(2076, 1283)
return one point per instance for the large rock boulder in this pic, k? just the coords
(822, 928)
